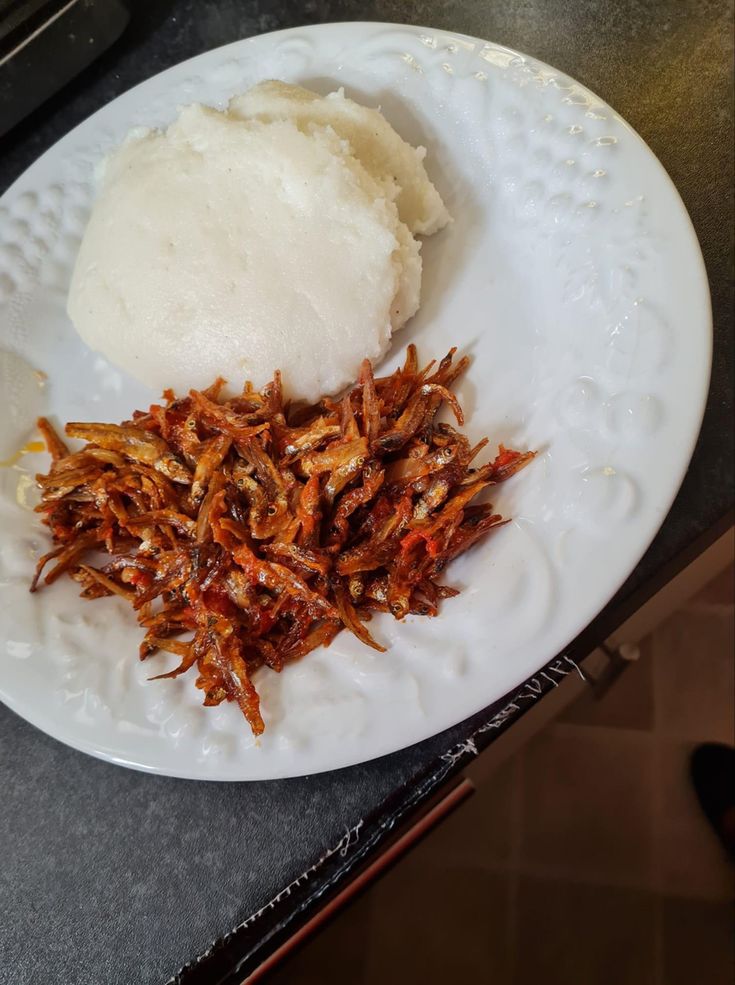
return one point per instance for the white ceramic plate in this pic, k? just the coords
(571, 275)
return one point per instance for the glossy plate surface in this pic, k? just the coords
(573, 278)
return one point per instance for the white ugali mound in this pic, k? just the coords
(236, 246)
(385, 155)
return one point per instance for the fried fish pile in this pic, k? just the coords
(249, 531)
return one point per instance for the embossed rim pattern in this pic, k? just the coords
(573, 276)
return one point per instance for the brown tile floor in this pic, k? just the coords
(584, 860)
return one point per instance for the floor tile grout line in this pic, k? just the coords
(630, 736)
(576, 877)
(516, 816)
(656, 669)
(718, 609)
(656, 847)
(514, 924)
(657, 812)
(516, 840)
(658, 940)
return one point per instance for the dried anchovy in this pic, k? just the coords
(247, 532)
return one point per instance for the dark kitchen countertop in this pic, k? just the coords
(111, 877)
